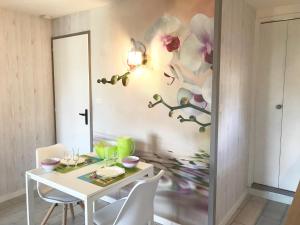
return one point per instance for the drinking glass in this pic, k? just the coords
(67, 157)
(76, 156)
(115, 157)
(107, 156)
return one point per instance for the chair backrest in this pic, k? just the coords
(53, 151)
(138, 209)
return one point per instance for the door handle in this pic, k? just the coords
(279, 106)
(86, 116)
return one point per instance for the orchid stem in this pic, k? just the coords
(159, 100)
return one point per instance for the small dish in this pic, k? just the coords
(110, 172)
(72, 162)
(130, 161)
(50, 164)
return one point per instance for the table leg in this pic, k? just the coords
(30, 200)
(88, 211)
(151, 172)
(94, 206)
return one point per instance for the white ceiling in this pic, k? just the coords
(57, 8)
(51, 8)
(271, 3)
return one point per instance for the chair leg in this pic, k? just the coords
(46, 218)
(151, 222)
(72, 210)
(65, 214)
(81, 205)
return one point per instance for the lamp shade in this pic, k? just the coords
(135, 58)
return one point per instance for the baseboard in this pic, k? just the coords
(234, 209)
(272, 189)
(10, 196)
(163, 221)
(271, 196)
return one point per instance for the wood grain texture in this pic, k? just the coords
(237, 41)
(251, 211)
(293, 216)
(73, 23)
(27, 118)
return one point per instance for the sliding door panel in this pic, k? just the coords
(269, 98)
(290, 149)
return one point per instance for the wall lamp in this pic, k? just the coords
(135, 58)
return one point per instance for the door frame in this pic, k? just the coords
(213, 161)
(88, 32)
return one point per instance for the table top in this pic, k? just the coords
(293, 216)
(71, 184)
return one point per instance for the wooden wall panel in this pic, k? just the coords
(237, 42)
(26, 95)
(73, 23)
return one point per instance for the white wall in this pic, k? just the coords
(237, 42)
(112, 26)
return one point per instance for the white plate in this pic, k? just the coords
(72, 162)
(110, 172)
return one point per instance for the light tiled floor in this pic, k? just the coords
(273, 214)
(258, 211)
(13, 212)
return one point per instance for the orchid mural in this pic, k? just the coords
(184, 54)
(181, 54)
(184, 174)
(197, 50)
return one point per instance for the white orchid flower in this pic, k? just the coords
(165, 38)
(197, 49)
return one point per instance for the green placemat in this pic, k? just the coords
(103, 182)
(61, 168)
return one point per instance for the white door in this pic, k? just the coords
(290, 148)
(269, 97)
(72, 91)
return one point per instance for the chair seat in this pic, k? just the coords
(55, 196)
(108, 214)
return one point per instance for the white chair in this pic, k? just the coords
(136, 209)
(51, 195)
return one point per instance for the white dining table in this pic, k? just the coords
(70, 183)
